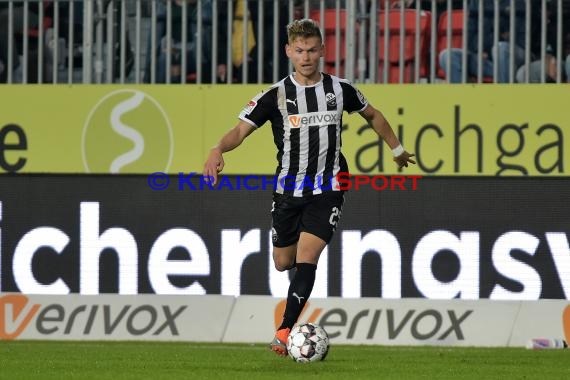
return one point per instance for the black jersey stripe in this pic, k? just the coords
(291, 96)
(311, 98)
(331, 155)
(332, 131)
(311, 172)
(328, 87)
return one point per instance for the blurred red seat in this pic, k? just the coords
(457, 30)
(456, 34)
(329, 26)
(390, 61)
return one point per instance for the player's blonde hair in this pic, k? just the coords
(304, 28)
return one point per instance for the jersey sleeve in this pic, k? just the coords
(353, 99)
(259, 109)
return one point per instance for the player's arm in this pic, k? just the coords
(231, 140)
(385, 131)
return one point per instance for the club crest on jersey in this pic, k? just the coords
(249, 107)
(331, 99)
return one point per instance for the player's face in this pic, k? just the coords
(305, 54)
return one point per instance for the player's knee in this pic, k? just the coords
(283, 267)
(280, 268)
(283, 264)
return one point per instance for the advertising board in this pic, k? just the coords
(451, 237)
(453, 130)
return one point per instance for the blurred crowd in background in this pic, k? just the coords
(242, 41)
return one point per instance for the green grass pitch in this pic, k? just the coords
(165, 360)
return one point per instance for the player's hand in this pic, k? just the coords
(213, 165)
(404, 159)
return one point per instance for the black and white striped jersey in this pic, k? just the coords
(306, 123)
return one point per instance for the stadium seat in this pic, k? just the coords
(391, 61)
(329, 26)
(456, 34)
(456, 38)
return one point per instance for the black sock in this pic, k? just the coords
(299, 291)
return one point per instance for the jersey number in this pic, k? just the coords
(335, 216)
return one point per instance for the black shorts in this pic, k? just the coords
(317, 214)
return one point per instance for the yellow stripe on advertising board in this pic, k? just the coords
(468, 130)
(453, 129)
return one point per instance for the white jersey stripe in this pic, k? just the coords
(303, 143)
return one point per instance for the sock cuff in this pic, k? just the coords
(306, 267)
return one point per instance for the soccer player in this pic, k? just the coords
(305, 110)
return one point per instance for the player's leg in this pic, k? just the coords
(286, 219)
(286, 215)
(308, 251)
(318, 223)
(284, 257)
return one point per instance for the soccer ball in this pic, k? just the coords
(307, 342)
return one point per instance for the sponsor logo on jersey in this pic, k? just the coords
(313, 119)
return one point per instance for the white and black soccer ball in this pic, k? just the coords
(307, 342)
